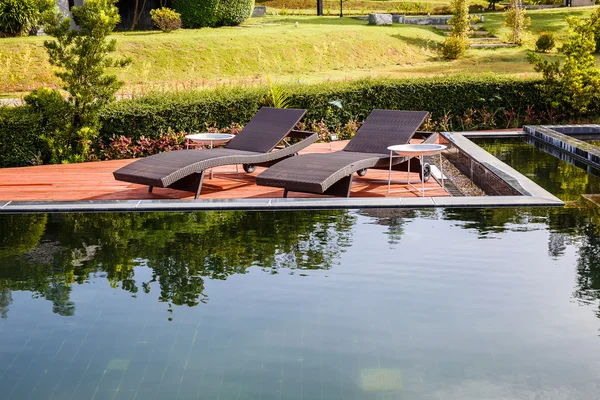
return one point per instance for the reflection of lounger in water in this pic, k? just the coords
(331, 173)
(253, 145)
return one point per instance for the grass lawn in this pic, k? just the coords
(317, 49)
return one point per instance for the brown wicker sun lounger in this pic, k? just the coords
(253, 145)
(331, 173)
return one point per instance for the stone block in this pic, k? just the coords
(439, 20)
(259, 11)
(398, 18)
(380, 19)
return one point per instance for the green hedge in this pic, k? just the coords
(196, 13)
(20, 131)
(234, 12)
(448, 100)
(454, 103)
(208, 13)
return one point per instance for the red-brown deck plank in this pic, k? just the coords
(94, 181)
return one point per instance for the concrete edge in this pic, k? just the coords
(276, 204)
(565, 142)
(518, 181)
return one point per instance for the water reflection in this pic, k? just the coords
(562, 178)
(45, 255)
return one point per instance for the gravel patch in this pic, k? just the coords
(460, 180)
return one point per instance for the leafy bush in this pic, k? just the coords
(209, 13)
(17, 17)
(234, 12)
(574, 87)
(545, 42)
(124, 147)
(165, 19)
(54, 110)
(196, 14)
(21, 144)
(454, 47)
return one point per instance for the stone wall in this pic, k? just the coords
(578, 3)
(438, 20)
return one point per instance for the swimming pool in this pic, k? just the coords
(373, 304)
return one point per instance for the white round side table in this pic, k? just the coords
(415, 150)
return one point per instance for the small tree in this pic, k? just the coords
(574, 87)
(82, 58)
(516, 21)
(457, 43)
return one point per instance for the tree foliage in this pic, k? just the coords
(82, 57)
(19, 17)
(458, 42)
(573, 88)
(516, 20)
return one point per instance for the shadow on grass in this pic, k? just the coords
(140, 33)
(417, 41)
(319, 20)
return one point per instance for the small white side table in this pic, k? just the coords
(210, 139)
(415, 150)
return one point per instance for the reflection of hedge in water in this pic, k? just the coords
(19, 233)
(579, 224)
(181, 249)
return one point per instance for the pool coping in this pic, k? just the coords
(531, 194)
(560, 137)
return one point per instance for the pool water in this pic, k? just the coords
(458, 304)
(448, 304)
(564, 180)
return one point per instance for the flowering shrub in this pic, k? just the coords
(345, 132)
(124, 147)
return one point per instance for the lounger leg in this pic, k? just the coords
(150, 189)
(341, 188)
(199, 185)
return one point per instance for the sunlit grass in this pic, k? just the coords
(317, 49)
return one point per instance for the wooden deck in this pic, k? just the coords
(94, 181)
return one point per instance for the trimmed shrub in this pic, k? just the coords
(210, 13)
(448, 99)
(165, 19)
(21, 129)
(234, 12)
(196, 14)
(545, 42)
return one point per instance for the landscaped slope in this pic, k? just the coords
(314, 49)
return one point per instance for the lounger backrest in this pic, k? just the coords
(266, 129)
(384, 128)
